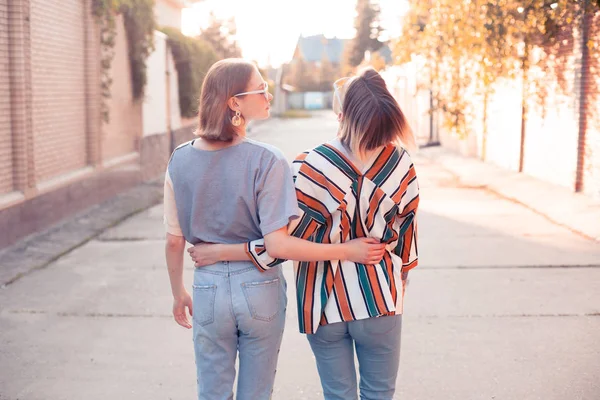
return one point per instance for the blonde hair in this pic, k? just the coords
(371, 117)
(340, 87)
(223, 80)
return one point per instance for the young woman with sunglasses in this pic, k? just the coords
(224, 188)
(361, 184)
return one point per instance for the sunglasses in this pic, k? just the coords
(264, 92)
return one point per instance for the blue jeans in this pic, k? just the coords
(237, 308)
(377, 343)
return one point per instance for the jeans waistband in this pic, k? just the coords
(227, 268)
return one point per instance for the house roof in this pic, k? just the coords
(313, 48)
(386, 53)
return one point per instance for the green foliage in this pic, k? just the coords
(193, 57)
(140, 24)
(104, 12)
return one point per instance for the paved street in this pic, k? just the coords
(505, 305)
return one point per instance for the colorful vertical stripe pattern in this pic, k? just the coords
(338, 203)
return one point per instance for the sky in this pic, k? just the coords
(267, 30)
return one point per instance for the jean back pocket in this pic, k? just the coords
(263, 299)
(204, 304)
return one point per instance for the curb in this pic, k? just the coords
(39, 250)
(512, 186)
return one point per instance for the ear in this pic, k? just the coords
(233, 104)
(340, 117)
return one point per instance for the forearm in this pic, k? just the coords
(174, 256)
(231, 252)
(293, 248)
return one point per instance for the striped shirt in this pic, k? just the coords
(340, 202)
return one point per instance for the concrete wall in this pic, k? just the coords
(161, 110)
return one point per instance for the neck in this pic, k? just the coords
(360, 155)
(241, 130)
(363, 156)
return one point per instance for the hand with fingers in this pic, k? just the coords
(365, 250)
(180, 303)
(204, 254)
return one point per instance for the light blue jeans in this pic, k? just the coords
(237, 309)
(377, 343)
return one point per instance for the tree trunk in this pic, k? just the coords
(525, 67)
(486, 96)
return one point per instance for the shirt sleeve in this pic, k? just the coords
(407, 231)
(171, 220)
(257, 253)
(256, 249)
(276, 198)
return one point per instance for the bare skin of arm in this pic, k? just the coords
(174, 251)
(280, 244)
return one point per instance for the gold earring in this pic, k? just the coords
(237, 118)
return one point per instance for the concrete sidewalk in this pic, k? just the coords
(575, 211)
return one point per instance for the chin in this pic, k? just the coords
(264, 115)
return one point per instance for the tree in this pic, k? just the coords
(346, 68)
(301, 77)
(377, 61)
(478, 42)
(368, 31)
(221, 36)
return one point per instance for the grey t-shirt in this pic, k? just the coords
(233, 195)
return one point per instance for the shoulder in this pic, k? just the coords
(182, 145)
(404, 157)
(312, 153)
(321, 158)
(399, 165)
(178, 150)
(404, 173)
(301, 157)
(267, 151)
(307, 156)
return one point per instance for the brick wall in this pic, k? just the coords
(58, 86)
(121, 134)
(6, 155)
(57, 157)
